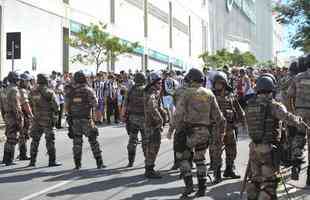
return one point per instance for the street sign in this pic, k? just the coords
(13, 48)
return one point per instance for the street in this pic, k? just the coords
(115, 182)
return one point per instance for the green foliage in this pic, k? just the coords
(267, 64)
(297, 14)
(224, 57)
(97, 46)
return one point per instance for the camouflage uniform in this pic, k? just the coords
(12, 114)
(263, 114)
(153, 127)
(299, 91)
(134, 105)
(195, 110)
(24, 133)
(80, 102)
(234, 116)
(45, 108)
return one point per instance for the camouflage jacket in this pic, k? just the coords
(153, 109)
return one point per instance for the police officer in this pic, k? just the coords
(263, 114)
(80, 102)
(11, 109)
(45, 109)
(154, 120)
(195, 109)
(134, 115)
(299, 94)
(235, 117)
(27, 115)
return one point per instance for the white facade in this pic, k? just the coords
(41, 23)
(278, 43)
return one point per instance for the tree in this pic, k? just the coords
(297, 14)
(236, 58)
(248, 59)
(97, 46)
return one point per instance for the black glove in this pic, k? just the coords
(70, 132)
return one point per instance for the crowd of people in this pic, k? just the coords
(204, 109)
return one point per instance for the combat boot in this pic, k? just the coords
(229, 173)
(189, 187)
(308, 176)
(99, 163)
(23, 152)
(295, 173)
(217, 175)
(131, 159)
(6, 155)
(52, 160)
(151, 173)
(201, 187)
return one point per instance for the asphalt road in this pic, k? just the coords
(115, 182)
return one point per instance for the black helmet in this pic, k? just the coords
(266, 83)
(195, 75)
(293, 68)
(26, 77)
(221, 76)
(154, 78)
(80, 77)
(42, 79)
(301, 64)
(139, 78)
(13, 77)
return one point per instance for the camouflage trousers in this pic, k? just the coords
(133, 130)
(151, 145)
(24, 133)
(36, 133)
(299, 140)
(85, 127)
(263, 181)
(11, 133)
(186, 144)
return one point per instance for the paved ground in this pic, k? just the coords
(115, 182)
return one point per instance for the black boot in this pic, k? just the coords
(151, 173)
(229, 172)
(131, 159)
(99, 163)
(52, 160)
(10, 158)
(308, 176)
(295, 173)
(77, 162)
(189, 187)
(6, 155)
(201, 187)
(217, 175)
(33, 159)
(23, 152)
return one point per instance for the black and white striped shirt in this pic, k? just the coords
(99, 87)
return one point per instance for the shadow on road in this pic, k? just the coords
(124, 183)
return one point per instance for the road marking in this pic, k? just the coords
(34, 195)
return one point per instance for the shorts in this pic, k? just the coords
(100, 105)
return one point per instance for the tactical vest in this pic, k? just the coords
(80, 107)
(227, 108)
(136, 101)
(261, 124)
(8, 98)
(42, 107)
(303, 93)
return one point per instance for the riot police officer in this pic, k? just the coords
(11, 109)
(134, 114)
(235, 117)
(80, 102)
(45, 108)
(263, 114)
(195, 109)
